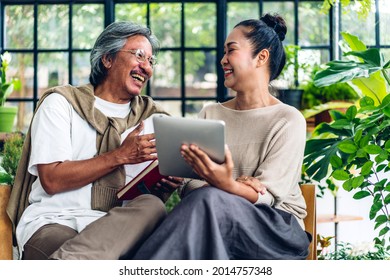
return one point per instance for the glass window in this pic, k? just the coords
(238, 11)
(167, 75)
(131, 12)
(384, 19)
(81, 68)
(52, 70)
(365, 30)
(286, 10)
(311, 58)
(165, 23)
(200, 77)
(25, 112)
(53, 26)
(316, 30)
(200, 25)
(187, 72)
(386, 54)
(193, 107)
(19, 27)
(171, 106)
(87, 24)
(22, 67)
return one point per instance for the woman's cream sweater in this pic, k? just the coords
(267, 143)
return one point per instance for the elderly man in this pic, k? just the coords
(83, 144)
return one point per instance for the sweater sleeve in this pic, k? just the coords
(281, 168)
(189, 185)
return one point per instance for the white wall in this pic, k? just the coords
(354, 232)
(348, 231)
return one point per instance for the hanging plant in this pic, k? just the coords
(363, 6)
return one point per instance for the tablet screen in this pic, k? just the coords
(172, 132)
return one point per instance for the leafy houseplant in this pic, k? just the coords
(363, 251)
(290, 91)
(348, 251)
(7, 114)
(355, 148)
(314, 96)
(10, 157)
(290, 71)
(317, 101)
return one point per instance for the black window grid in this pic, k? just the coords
(109, 17)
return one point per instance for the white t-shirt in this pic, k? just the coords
(58, 134)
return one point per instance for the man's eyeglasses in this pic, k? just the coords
(141, 56)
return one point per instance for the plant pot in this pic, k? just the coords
(291, 97)
(324, 116)
(5, 225)
(7, 118)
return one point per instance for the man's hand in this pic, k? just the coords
(168, 185)
(138, 148)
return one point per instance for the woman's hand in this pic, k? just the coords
(218, 175)
(221, 175)
(253, 182)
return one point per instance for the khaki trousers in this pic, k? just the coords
(116, 235)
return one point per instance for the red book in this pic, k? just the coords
(142, 183)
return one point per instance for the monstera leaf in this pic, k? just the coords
(355, 147)
(366, 70)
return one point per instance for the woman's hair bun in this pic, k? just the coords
(277, 23)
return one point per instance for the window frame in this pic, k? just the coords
(109, 17)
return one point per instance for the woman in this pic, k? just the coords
(251, 206)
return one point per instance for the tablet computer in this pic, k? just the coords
(172, 132)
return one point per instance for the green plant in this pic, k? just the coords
(323, 244)
(321, 186)
(364, 6)
(316, 100)
(314, 96)
(6, 88)
(331, 105)
(289, 77)
(355, 148)
(362, 251)
(173, 200)
(365, 71)
(11, 153)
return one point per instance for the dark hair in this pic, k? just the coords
(110, 41)
(268, 33)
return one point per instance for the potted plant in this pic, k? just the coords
(317, 101)
(355, 148)
(289, 89)
(360, 251)
(10, 157)
(7, 113)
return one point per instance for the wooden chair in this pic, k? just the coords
(5, 225)
(310, 221)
